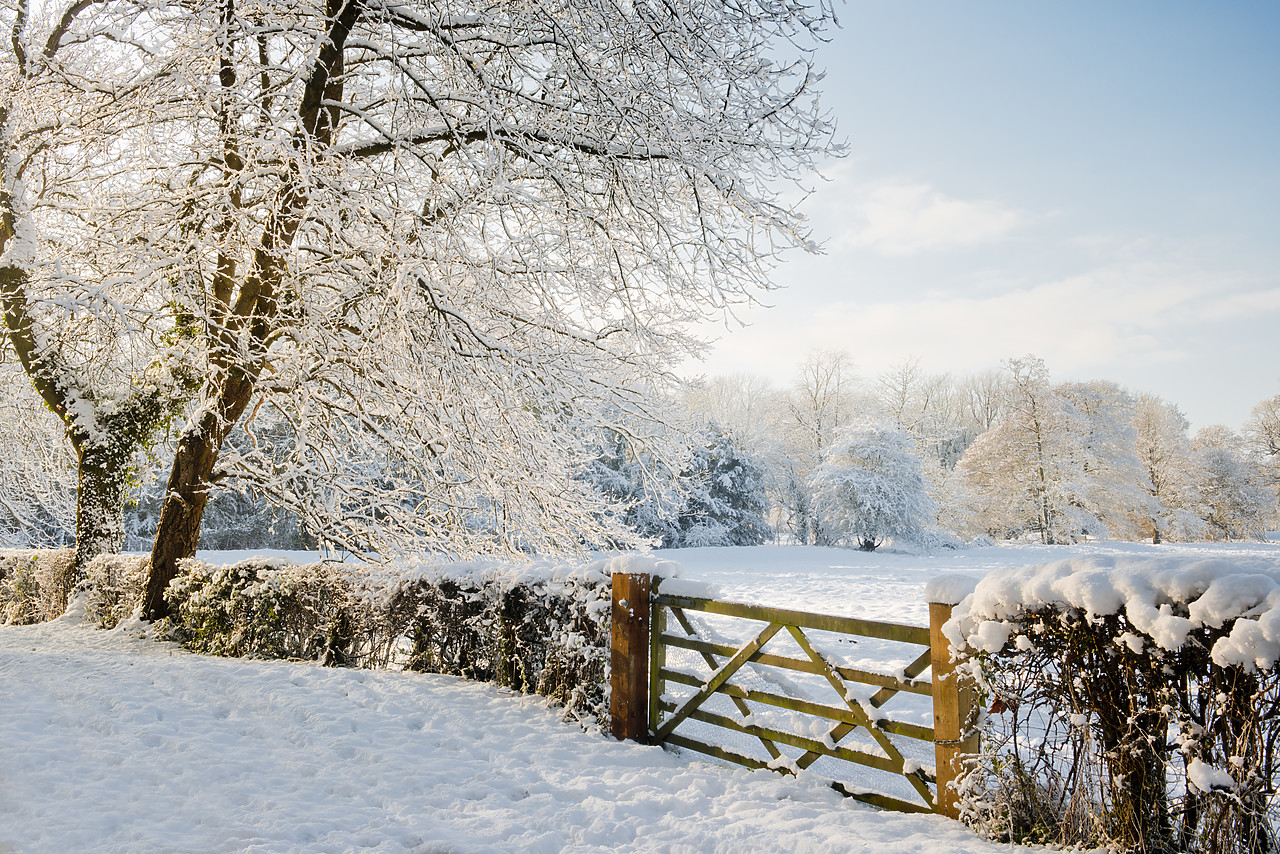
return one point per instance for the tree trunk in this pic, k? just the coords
(252, 312)
(178, 532)
(104, 480)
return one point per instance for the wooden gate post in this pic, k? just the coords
(954, 715)
(629, 658)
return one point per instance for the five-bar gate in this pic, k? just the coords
(756, 686)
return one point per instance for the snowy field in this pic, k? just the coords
(889, 584)
(113, 743)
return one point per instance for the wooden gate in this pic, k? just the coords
(755, 686)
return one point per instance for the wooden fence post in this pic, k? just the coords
(629, 658)
(954, 715)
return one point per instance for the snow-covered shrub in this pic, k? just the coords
(870, 487)
(543, 629)
(269, 609)
(34, 584)
(114, 584)
(718, 497)
(539, 628)
(726, 503)
(1134, 702)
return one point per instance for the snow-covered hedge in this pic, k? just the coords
(540, 627)
(113, 587)
(270, 608)
(1133, 702)
(34, 584)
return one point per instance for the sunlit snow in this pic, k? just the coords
(115, 743)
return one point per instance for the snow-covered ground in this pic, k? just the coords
(112, 743)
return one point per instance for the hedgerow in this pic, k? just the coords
(540, 628)
(34, 584)
(536, 629)
(1135, 705)
(267, 609)
(544, 630)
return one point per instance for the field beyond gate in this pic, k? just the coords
(872, 706)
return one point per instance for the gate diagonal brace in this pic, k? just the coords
(718, 678)
(839, 731)
(911, 671)
(710, 660)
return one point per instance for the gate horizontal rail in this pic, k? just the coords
(794, 704)
(853, 674)
(801, 619)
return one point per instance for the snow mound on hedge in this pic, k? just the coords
(1165, 598)
(548, 574)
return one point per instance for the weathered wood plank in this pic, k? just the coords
(884, 802)
(866, 677)
(657, 663)
(953, 715)
(804, 619)
(629, 658)
(806, 707)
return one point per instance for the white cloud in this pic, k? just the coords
(907, 218)
(1120, 316)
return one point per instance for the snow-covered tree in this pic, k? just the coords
(1059, 464)
(717, 497)
(1111, 482)
(725, 504)
(84, 295)
(470, 228)
(438, 241)
(1172, 471)
(870, 487)
(1236, 498)
(1018, 469)
(37, 469)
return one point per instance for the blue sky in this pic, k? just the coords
(1095, 183)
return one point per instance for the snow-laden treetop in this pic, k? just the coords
(1164, 600)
